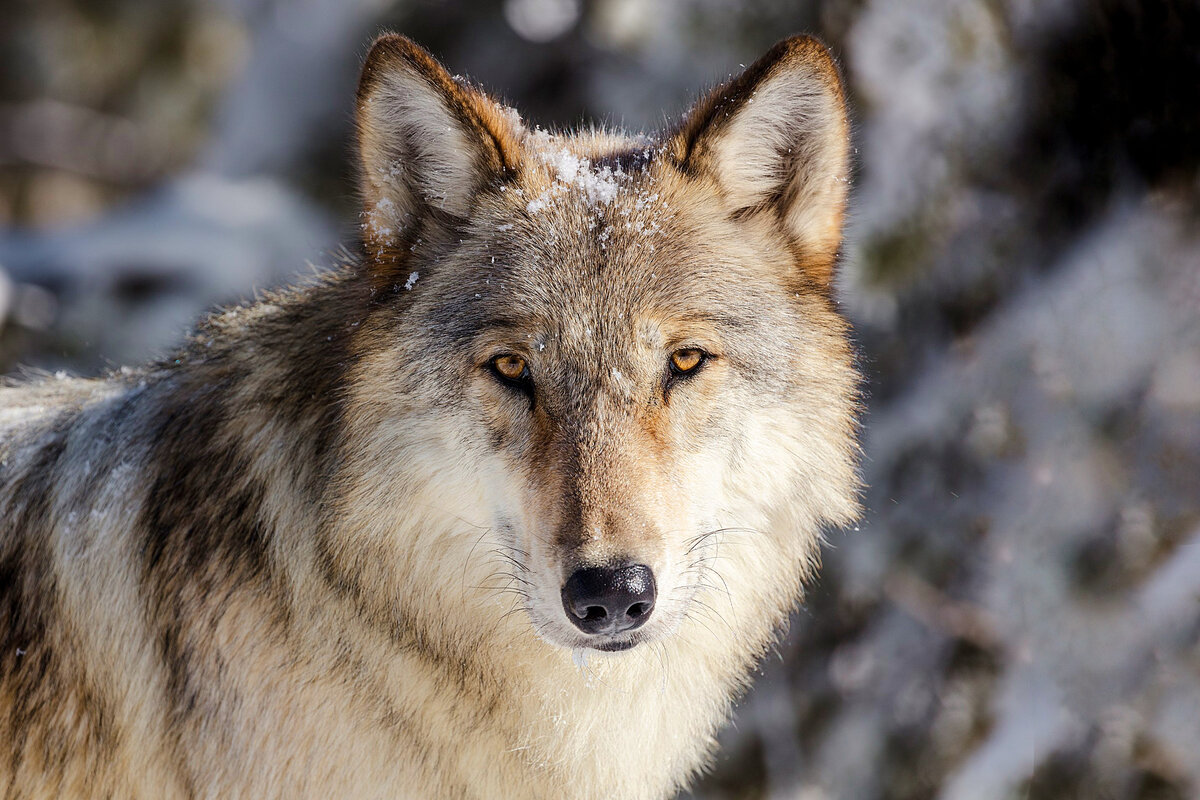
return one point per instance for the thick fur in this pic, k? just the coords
(320, 551)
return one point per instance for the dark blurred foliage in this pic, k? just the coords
(1117, 107)
(1018, 616)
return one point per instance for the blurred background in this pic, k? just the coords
(1018, 615)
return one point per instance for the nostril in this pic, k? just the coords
(606, 600)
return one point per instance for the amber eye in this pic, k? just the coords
(512, 368)
(686, 360)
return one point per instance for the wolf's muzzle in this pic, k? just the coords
(608, 600)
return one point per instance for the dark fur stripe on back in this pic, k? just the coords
(53, 712)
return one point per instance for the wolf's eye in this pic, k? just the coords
(510, 367)
(514, 371)
(686, 361)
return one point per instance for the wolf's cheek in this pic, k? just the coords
(504, 418)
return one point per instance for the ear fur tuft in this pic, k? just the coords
(776, 138)
(427, 141)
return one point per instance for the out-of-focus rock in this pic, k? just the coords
(128, 285)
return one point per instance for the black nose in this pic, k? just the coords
(609, 600)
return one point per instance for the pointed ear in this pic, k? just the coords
(427, 141)
(776, 140)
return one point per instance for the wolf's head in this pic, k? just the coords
(608, 354)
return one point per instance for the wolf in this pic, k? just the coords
(508, 506)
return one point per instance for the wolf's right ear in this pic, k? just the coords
(427, 141)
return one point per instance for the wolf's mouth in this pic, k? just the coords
(616, 647)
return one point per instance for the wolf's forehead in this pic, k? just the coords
(577, 226)
(591, 173)
(586, 241)
(606, 302)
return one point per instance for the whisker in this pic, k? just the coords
(517, 607)
(510, 576)
(700, 620)
(712, 610)
(471, 552)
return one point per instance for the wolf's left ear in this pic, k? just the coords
(428, 142)
(775, 140)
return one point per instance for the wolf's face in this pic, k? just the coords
(616, 351)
